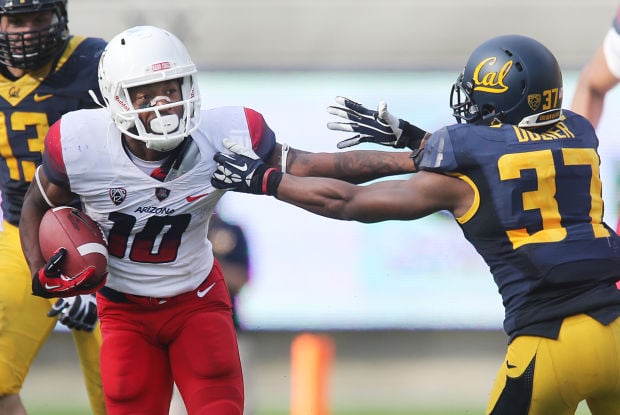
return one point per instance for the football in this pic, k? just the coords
(70, 228)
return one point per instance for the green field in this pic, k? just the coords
(60, 411)
(420, 411)
(398, 370)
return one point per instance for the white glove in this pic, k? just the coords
(78, 313)
(379, 127)
(386, 116)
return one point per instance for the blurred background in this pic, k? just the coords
(351, 34)
(413, 312)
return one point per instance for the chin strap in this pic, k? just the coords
(93, 95)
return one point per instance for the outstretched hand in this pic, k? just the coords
(242, 170)
(379, 127)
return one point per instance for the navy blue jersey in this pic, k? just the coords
(536, 219)
(229, 245)
(30, 104)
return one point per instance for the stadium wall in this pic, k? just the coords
(351, 34)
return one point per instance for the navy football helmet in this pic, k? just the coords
(30, 50)
(511, 79)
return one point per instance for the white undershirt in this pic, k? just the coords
(611, 48)
(144, 165)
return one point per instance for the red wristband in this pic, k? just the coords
(266, 179)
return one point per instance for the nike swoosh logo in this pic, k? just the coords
(204, 292)
(194, 198)
(509, 366)
(53, 287)
(236, 166)
(41, 98)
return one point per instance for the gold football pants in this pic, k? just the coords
(542, 376)
(24, 326)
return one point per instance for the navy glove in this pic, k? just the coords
(379, 127)
(78, 313)
(50, 282)
(243, 171)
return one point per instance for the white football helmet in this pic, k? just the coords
(145, 55)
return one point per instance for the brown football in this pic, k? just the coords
(70, 228)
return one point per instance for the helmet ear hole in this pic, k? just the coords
(487, 110)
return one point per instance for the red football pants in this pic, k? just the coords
(187, 339)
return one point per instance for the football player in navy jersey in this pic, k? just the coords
(231, 249)
(44, 73)
(165, 310)
(521, 177)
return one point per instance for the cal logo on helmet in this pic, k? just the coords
(488, 78)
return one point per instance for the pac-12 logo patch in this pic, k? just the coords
(534, 100)
(117, 195)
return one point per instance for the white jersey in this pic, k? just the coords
(156, 230)
(611, 47)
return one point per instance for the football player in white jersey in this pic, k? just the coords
(599, 75)
(141, 167)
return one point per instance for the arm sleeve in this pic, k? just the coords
(263, 138)
(439, 153)
(53, 163)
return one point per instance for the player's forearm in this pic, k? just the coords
(352, 166)
(31, 215)
(325, 197)
(589, 103)
(595, 81)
